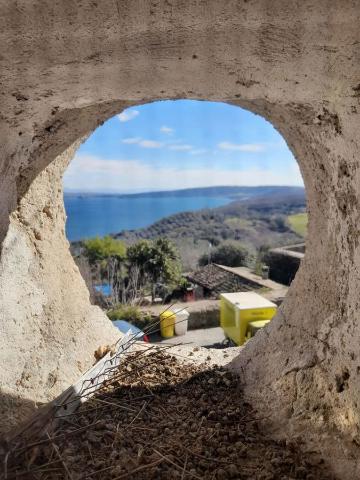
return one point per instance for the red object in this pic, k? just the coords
(146, 338)
(189, 296)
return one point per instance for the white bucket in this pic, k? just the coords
(181, 321)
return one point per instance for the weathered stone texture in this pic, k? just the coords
(67, 66)
(49, 330)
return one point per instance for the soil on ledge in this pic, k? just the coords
(159, 418)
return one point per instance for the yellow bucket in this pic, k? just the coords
(167, 323)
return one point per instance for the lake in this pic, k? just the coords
(91, 215)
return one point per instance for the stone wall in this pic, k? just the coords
(205, 318)
(284, 263)
(67, 66)
(46, 320)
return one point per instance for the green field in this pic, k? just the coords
(298, 223)
(236, 222)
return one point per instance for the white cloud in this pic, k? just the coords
(181, 147)
(131, 140)
(142, 143)
(198, 151)
(150, 144)
(94, 174)
(167, 130)
(242, 147)
(127, 115)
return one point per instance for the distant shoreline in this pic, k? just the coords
(91, 215)
(191, 192)
(253, 220)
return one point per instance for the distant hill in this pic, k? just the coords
(228, 191)
(242, 193)
(277, 199)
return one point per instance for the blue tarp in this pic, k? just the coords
(125, 326)
(105, 289)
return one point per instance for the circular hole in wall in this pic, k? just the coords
(216, 181)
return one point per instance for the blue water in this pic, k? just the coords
(89, 216)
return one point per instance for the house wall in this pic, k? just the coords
(282, 267)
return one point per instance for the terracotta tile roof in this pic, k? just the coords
(218, 280)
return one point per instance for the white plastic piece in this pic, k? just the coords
(71, 399)
(181, 321)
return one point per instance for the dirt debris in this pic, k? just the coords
(161, 419)
(101, 351)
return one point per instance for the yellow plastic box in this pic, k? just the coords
(167, 324)
(255, 326)
(238, 310)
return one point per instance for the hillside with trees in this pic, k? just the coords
(147, 263)
(254, 223)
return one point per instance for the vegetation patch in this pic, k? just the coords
(132, 314)
(254, 223)
(230, 254)
(145, 268)
(298, 223)
(143, 265)
(235, 222)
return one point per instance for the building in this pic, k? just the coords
(284, 262)
(213, 279)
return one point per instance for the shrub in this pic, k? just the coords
(157, 260)
(131, 314)
(278, 223)
(231, 254)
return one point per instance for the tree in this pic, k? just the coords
(110, 254)
(278, 223)
(231, 254)
(98, 249)
(157, 260)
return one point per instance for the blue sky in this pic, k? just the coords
(181, 144)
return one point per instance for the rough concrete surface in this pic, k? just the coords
(67, 66)
(48, 329)
(204, 337)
